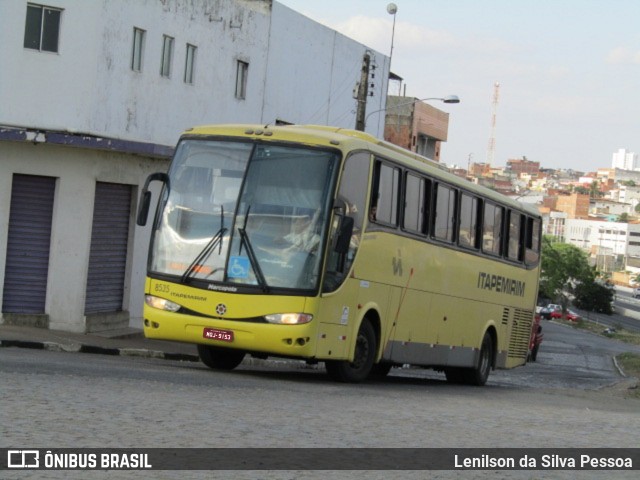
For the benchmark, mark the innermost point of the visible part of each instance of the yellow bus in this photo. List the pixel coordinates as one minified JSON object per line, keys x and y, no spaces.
{"x":329,"y":245}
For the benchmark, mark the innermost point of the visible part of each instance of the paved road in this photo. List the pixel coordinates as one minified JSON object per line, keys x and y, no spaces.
{"x":56,"y":399}
{"x":627,"y":312}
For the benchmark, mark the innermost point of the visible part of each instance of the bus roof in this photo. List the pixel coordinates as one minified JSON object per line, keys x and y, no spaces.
{"x":346,"y":140}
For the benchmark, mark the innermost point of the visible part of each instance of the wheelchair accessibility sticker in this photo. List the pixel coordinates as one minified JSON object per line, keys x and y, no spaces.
{"x":238,"y":267}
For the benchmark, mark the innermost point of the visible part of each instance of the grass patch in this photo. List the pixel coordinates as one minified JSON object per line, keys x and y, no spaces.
{"x":630,"y":364}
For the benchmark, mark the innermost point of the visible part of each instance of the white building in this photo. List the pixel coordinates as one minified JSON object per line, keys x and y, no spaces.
{"x":95,"y":94}
{"x":625,"y":160}
{"x":605,"y":206}
{"x":629,"y":194}
{"x":604,"y":238}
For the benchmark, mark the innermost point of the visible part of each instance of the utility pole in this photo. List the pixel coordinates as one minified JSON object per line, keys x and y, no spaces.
{"x":491,"y":150}
{"x":363,"y":93}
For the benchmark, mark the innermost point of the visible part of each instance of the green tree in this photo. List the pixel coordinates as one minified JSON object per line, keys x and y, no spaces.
{"x":623,"y":217}
{"x":564,"y":267}
{"x":594,"y":190}
{"x":595,"y":297}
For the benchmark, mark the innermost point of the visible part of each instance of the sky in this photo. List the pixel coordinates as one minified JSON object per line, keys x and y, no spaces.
{"x":569,"y":71}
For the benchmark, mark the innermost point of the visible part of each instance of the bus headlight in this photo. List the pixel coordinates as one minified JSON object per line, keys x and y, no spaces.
{"x":289,"y":318}
{"x":161,"y":303}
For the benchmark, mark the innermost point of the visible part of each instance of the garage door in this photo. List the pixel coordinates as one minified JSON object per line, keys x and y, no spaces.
{"x":29,"y":239}
{"x":109,"y":242}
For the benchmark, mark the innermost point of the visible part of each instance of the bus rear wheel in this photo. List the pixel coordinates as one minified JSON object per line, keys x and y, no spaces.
{"x":479,"y":374}
{"x":363,"y":358}
{"x":220,"y":358}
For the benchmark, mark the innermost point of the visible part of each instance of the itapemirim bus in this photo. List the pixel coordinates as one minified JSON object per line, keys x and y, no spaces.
{"x":326,"y":244}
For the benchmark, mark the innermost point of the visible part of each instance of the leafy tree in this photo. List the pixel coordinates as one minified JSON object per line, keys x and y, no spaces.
{"x":628,"y":183}
{"x":564,"y":267}
{"x":595,"y":297}
{"x":594,"y":190}
{"x":637,"y":208}
{"x":581,"y":190}
{"x":623,"y":217}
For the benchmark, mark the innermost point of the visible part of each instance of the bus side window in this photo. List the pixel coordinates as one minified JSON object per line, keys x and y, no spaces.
{"x":492,"y":229}
{"x":515,"y":242}
{"x":417,"y":190}
{"x":469,"y":215}
{"x":532,"y":252}
{"x":385,"y":195}
{"x":444,"y":212}
{"x":351,"y":199}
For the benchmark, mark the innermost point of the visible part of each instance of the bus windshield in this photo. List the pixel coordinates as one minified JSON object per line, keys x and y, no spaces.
{"x":238,"y":213}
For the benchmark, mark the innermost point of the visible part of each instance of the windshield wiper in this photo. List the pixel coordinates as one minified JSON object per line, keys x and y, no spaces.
{"x":216,"y":240}
{"x":244,"y":240}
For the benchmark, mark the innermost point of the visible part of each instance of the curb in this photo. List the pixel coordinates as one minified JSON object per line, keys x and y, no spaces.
{"x":145,"y":353}
{"x":85,"y":348}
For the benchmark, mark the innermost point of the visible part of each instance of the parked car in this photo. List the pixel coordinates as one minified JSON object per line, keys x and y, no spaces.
{"x":546,"y":312}
{"x":569,"y":315}
{"x":636,"y":292}
{"x":536,"y":339}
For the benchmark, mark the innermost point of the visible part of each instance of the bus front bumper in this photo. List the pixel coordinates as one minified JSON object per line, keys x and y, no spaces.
{"x":273,"y":339}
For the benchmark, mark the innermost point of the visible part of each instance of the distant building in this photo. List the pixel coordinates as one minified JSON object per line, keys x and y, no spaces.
{"x":523,"y":166}
{"x":575,"y":205}
{"x":604,"y":206}
{"x":609,"y":243}
{"x":415,"y":125}
{"x":478,"y":170}
{"x":625,"y":160}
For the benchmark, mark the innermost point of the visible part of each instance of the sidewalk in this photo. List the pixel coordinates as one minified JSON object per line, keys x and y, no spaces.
{"x":131,"y":344}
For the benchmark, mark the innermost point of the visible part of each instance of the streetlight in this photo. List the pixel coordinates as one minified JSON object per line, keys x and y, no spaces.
{"x":392,"y":9}
{"x":447,"y":99}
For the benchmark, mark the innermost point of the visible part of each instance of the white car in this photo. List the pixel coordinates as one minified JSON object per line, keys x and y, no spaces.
{"x":636,"y":292}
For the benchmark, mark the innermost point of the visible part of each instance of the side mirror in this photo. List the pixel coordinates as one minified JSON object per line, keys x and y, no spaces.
{"x":145,"y":198}
{"x":143,"y":208}
{"x":344,"y":237}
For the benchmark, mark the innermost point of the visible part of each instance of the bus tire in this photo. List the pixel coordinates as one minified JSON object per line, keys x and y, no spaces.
{"x":380,"y":370}
{"x":364,"y":355}
{"x":220,"y":358}
{"x":479,"y":374}
{"x":454,"y":375}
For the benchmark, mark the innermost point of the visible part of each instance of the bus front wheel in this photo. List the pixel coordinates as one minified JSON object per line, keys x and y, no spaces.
{"x":363,"y":358}
{"x":220,"y":358}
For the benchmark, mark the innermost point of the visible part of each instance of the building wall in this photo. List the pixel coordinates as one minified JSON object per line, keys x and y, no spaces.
{"x":418,"y":126}
{"x":610,"y":238}
{"x":624,"y":160}
{"x":575,"y":205}
{"x":116,"y":125}
{"x":97,"y":91}
{"x":76,"y":172}
{"x":313,"y":83}
{"x":520,"y":166}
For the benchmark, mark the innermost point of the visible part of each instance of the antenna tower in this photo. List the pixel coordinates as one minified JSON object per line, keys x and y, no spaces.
{"x":491,"y":150}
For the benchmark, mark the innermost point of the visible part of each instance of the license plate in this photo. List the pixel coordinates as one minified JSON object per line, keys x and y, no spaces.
{"x":215,"y":334}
